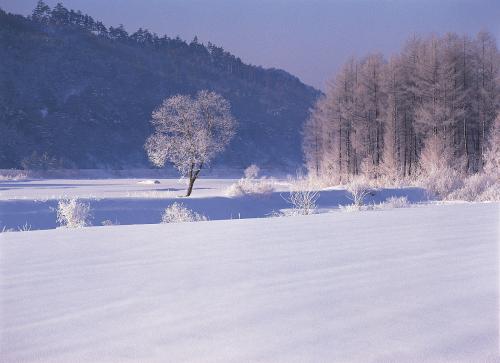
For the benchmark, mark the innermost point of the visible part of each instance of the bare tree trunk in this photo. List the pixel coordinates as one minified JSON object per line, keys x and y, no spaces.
{"x":466,"y":148}
{"x":193,"y":175}
{"x":190,"y":187}
{"x":340,"y":151}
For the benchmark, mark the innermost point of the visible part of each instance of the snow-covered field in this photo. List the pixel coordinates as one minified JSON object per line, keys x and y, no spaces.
{"x":127,"y":201}
{"x":414,"y":284}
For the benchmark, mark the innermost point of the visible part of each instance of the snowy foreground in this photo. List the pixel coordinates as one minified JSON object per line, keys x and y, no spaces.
{"x":415,"y":284}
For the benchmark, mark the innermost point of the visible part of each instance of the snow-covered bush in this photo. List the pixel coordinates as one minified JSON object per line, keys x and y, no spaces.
{"x":109,"y":222}
{"x":473,"y":186}
{"x":491,"y":194}
{"x":358,"y":189}
{"x":177,"y":212}
{"x":73,"y":213}
{"x":302,"y":197}
{"x":237,"y":189}
{"x":395,"y":202}
{"x":13,"y":175}
{"x":252,"y":172}
{"x":24,"y":228}
{"x":318,"y":182}
{"x":255,"y":187}
{"x":440,"y":183}
{"x":250,"y":185}
{"x":390,"y":203}
{"x":439,"y":171}
{"x":304,"y":201}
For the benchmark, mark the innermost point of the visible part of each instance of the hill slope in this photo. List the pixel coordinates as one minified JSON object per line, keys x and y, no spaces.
{"x":74,"y":93}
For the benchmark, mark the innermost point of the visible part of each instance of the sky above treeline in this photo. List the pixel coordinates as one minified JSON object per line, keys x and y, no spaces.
{"x":308,"y":38}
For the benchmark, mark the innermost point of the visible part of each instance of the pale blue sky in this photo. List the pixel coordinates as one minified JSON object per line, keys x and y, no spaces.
{"x":309,"y":38}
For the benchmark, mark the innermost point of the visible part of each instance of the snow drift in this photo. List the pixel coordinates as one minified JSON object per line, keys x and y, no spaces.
{"x":414,"y":284}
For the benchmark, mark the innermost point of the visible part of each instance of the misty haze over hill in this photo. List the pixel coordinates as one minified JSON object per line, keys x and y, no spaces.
{"x":75,"y":93}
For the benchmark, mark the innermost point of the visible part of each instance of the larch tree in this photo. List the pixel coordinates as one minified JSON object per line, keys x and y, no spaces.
{"x":189,"y":133}
{"x":382,"y":118}
{"x":492,"y":151}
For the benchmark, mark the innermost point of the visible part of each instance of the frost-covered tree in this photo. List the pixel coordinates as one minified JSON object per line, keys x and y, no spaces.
{"x":492,"y":153}
{"x":377,"y":117}
{"x":190,"y":132}
{"x":73,"y":213}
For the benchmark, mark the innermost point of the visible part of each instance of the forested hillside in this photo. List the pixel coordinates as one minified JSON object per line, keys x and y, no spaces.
{"x":74,"y":93}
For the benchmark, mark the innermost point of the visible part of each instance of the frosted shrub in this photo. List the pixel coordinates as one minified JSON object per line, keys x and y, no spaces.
{"x":72,"y":213}
{"x":303,"y":201}
{"x":252,"y":172}
{"x":13,"y":175}
{"x":302,"y":197}
{"x":109,"y":222}
{"x":320,"y":182}
{"x":359,"y":190}
{"x":177,"y":212}
{"x":491,"y":194}
{"x":236,"y":189}
{"x":352,"y":208}
{"x":250,"y":185}
{"x":395,"y":202}
{"x":440,"y":183}
{"x":438,"y":168}
{"x":24,"y":228}
{"x":390,"y":203}
{"x":474,"y":186}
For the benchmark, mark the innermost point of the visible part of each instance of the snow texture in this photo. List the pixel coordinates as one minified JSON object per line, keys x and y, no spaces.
{"x":403,"y":285}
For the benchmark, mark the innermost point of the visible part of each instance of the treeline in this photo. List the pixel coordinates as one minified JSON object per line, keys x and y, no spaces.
{"x":378,"y":114}
{"x":61,"y":16}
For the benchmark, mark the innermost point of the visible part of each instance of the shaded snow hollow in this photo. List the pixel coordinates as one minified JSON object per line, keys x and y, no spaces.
{"x":416,"y":284}
{"x":125,"y":201}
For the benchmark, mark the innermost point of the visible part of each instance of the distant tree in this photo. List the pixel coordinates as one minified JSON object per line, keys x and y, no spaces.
{"x":60,"y":15}
{"x":101,"y":29}
{"x":436,"y":155}
{"x":142,"y":36}
{"x":41,"y":12}
{"x":118,"y":33}
{"x":190,"y":132}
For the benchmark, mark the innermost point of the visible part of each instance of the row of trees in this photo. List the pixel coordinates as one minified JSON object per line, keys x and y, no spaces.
{"x":61,"y":16}
{"x":377,"y":114}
